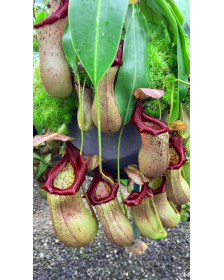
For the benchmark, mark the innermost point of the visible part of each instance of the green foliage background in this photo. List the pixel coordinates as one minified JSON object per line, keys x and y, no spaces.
{"x":50,"y":112}
{"x":162,"y":57}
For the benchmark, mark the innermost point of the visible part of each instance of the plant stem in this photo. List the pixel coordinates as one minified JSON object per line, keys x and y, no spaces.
{"x":99,"y":134}
{"x":181,"y":117}
{"x":90,"y":206}
{"x":82,"y":113}
{"x":118,"y":168}
{"x":171,"y":101}
{"x":173,"y":206}
{"x":45,"y":4}
{"x":157,"y":215}
{"x":136,"y":189}
{"x":159,"y":109}
{"x":118,"y":159}
{"x":80,"y":106}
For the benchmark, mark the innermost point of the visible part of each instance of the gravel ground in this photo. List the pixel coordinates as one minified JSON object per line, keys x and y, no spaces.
{"x":163,"y":259}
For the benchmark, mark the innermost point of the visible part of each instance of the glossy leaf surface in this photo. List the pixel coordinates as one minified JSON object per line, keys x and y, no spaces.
{"x":96,"y":30}
{"x":42,"y":168}
{"x":68,"y":48}
{"x":40,"y":16}
{"x":163,"y":9}
{"x":149,"y":13}
{"x":135,"y":70}
{"x":176,"y":11}
{"x":184,"y":7}
{"x":37,"y":157}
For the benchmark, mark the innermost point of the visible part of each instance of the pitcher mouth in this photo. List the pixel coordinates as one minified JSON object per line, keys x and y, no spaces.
{"x":59,"y":13}
{"x":135,"y":198}
{"x":139,"y":120}
{"x":72,"y":155}
{"x":176,"y":142}
{"x":161,"y":189}
{"x":91,"y":193}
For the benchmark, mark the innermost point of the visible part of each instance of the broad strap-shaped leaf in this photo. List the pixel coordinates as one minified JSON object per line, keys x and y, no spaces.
{"x":163,"y":9}
{"x":182,"y":75}
{"x":69,"y":49}
{"x":42,"y":168}
{"x":145,"y":27}
{"x":35,"y":156}
{"x":144,"y":93}
{"x":38,"y":139}
{"x":176,"y":11}
{"x":95,"y":30}
{"x":184,"y":7}
{"x":135,"y":70}
{"x":149,"y":13}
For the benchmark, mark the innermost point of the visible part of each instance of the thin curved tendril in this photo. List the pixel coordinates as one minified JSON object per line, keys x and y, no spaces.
{"x":181,"y":117}
{"x":118,"y":168}
{"x":90,"y":206}
{"x":80,"y":105}
{"x":171,"y":101}
{"x":82,"y":115}
{"x":99,"y":134}
{"x":157,"y":215}
{"x":159,"y":109}
{"x":44,"y":5}
{"x":173,"y":206}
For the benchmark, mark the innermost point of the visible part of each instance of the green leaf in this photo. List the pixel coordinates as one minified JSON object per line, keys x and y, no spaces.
{"x":186,"y":57}
{"x":47,"y":158}
{"x":69,"y":49}
{"x":95,"y":30}
{"x":42,"y":168}
{"x":149,"y":13}
{"x":37,"y":157}
{"x":125,"y":182}
{"x":176,"y":11}
{"x":184,"y":7}
{"x":35,"y":46}
{"x":40,"y":16}
{"x":163,"y":9}
{"x":135,"y":70}
{"x":145,"y":27}
{"x":182,"y":75}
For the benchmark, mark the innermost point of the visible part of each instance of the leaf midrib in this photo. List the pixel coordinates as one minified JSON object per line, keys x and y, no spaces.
{"x":96,"y":40}
{"x":133,"y":18}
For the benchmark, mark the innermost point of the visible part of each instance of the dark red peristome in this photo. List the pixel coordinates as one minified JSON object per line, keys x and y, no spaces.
{"x":60,"y":13}
{"x":139,"y":117}
{"x":176,"y":142}
{"x":91,"y":193}
{"x":79,"y":165}
{"x":161,"y":189}
{"x":135,"y":198}
{"x":118,"y":58}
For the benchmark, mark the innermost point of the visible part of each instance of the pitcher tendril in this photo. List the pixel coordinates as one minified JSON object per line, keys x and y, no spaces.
{"x":171,"y":102}
{"x":99,"y":135}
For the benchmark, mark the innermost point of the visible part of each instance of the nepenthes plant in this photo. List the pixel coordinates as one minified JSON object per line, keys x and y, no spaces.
{"x":109,"y":42}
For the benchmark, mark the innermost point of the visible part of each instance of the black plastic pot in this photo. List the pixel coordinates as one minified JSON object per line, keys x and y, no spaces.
{"x":130,"y":144}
